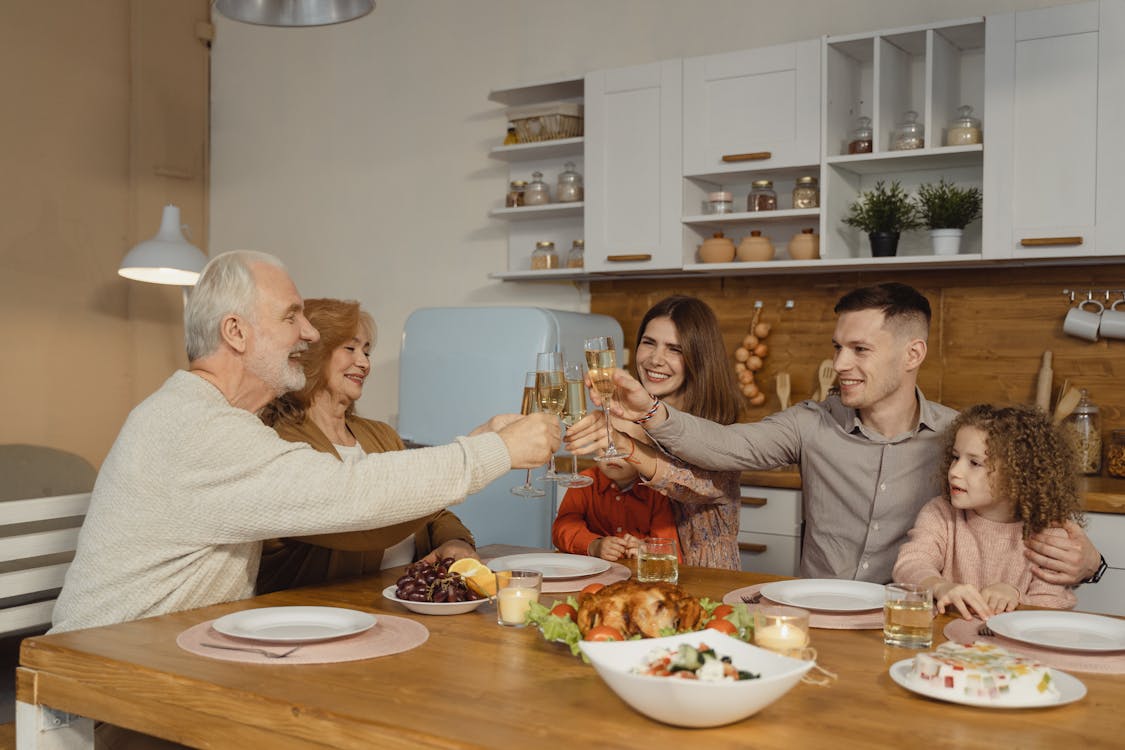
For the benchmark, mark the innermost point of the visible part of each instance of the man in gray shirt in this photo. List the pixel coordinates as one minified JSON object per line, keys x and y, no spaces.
{"x":869,"y":455}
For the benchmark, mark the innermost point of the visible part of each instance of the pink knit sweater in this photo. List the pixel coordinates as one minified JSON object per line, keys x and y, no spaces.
{"x":961,"y":546}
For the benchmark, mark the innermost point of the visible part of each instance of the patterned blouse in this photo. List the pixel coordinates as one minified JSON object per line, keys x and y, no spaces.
{"x":706,"y":506}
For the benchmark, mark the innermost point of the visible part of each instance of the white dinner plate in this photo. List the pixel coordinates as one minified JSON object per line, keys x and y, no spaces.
{"x":1071,"y":689}
{"x":1067,"y":631}
{"x":826,"y":594}
{"x":294,"y":624}
{"x":432,"y":608}
{"x":553,"y":565}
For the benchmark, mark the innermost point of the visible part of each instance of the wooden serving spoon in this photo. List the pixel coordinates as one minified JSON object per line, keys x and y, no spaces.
{"x":1066,"y":404}
{"x":782,"y":383}
{"x":826,"y":374}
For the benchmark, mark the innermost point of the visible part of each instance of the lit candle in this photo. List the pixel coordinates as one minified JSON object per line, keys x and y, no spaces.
{"x":514,"y":602}
{"x":781,"y":636}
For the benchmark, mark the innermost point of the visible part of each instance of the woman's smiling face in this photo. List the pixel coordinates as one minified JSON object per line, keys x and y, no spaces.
{"x":660,"y":360}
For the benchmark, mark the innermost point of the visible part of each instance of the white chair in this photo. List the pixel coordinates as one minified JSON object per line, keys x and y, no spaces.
{"x":38,"y":537}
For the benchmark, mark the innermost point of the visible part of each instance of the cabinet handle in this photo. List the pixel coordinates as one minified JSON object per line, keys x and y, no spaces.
{"x":756,"y":156}
{"x":1049,"y":241}
{"x":754,"y":549}
{"x":757,"y":502}
{"x":628,"y":258}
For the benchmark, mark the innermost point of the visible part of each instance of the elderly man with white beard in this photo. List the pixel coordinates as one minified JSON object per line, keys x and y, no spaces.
{"x":195,"y":481}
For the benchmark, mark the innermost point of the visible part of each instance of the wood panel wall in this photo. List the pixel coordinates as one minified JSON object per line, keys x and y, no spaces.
{"x":990,"y":329}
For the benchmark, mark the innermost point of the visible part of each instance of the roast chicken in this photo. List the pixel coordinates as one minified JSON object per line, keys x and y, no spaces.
{"x":637,"y":608}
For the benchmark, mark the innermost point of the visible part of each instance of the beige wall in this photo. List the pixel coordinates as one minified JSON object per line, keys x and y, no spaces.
{"x":358,"y":153}
{"x":97,"y":98}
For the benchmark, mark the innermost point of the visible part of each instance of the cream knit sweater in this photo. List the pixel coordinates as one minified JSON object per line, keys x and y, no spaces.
{"x":193,"y":485}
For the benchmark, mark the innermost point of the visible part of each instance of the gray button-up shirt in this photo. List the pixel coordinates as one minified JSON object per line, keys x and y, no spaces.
{"x":860,"y":491}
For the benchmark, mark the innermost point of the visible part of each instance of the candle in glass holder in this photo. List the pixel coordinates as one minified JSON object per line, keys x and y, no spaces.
{"x":781,"y":629}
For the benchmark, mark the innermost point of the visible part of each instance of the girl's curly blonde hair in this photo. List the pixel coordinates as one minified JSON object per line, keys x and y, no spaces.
{"x":1030,"y":461}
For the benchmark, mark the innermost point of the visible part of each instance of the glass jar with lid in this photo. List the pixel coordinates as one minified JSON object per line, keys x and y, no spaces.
{"x":762,"y":197}
{"x":576,"y":257}
{"x":569,"y":189}
{"x":1085,"y":422}
{"x":964,"y":130}
{"x":862,"y":138}
{"x":909,"y":134}
{"x":544,"y":256}
{"x":515,"y":193}
{"x":1115,"y":454}
{"x":536,"y":193}
{"x":719,"y":202}
{"x":806,"y":193}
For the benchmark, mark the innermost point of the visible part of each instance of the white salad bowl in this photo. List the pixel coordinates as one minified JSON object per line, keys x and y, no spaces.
{"x":433,"y":608}
{"x":694,"y":703}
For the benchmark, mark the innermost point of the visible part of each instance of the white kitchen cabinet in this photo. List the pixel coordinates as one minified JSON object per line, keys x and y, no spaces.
{"x":633,"y":141}
{"x":1055,"y":176}
{"x":561,"y":223}
{"x":755,"y":109}
{"x":1107,"y":596}
{"x":769,"y":530}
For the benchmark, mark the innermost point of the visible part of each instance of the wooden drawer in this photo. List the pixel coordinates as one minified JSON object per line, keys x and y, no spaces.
{"x":777,"y":554}
{"x":770,"y":510}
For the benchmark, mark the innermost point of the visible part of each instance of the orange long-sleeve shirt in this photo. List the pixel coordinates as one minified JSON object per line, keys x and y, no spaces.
{"x":601,"y":509}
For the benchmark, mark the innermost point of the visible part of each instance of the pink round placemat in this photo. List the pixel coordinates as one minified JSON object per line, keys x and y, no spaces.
{"x":965,"y":631}
{"x":826,"y":620}
{"x":616,"y":572}
{"x":390,"y":635}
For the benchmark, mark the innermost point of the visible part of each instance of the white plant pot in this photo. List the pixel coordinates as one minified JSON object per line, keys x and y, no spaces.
{"x":946,"y":241}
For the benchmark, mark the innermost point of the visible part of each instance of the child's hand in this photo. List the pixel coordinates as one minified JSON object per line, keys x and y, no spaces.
{"x":1001,"y":597}
{"x":608,"y":548}
{"x":632,"y":544}
{"x":965,"y":597}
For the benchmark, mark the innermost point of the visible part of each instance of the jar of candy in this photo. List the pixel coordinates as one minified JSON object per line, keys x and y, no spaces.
{"x":909,"y":134}
{"x":536,"y":193}
{"x":762,"y":197}
{"x":544,"y":256}
{"x":515,"y":193}
{"x":576,"y":258}
{"x":964,"y":130}
{"x":719,"y":202}
{"x":569,"y":189}
{"x":807,"y":193}
{"x":862,"y":138}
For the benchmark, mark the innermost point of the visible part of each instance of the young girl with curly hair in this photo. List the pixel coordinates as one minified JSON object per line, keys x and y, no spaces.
{"x":1010,"y":473}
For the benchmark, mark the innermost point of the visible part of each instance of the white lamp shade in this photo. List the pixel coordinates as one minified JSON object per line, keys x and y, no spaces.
{"x":168,"y":258}
{"x":294,"y":12}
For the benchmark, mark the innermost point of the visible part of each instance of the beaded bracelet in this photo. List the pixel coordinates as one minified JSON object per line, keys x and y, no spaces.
{"x":650,"y":413}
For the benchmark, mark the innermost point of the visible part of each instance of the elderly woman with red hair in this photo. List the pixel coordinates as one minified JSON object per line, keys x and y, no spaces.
{"x":322,"y":414}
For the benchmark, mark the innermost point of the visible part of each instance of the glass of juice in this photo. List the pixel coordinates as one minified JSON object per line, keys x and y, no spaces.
{"x":656,"y":560}
{"x":908,"y":615}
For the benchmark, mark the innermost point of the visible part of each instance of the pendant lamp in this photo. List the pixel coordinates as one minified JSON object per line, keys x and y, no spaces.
{"x":168,"y":258}
{"x":294,"y":12}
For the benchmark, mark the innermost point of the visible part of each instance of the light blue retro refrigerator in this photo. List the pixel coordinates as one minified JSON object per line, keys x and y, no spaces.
{"x":461,"y":365}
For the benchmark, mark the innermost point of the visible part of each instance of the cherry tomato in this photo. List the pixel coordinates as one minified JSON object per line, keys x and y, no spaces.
{"x":593,"y":588}
{"x":603,"y":633}
{"x":723,"y":626}
{"x":565,"y":610}
{"x":722,"y":611}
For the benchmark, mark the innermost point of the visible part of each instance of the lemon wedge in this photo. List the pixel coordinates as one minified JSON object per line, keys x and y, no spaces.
{"x":476,"y":574}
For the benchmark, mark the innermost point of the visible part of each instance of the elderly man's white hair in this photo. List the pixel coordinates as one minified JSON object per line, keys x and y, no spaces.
{"x":225,"y":286}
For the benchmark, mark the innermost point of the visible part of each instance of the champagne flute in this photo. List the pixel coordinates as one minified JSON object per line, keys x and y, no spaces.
{"x":550,"y":393}
{"x":574,"y":410}
{"x":528,"y":406}
{"x":602,"y":361}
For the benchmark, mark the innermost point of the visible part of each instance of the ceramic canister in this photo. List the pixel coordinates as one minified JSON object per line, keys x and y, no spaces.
{"x":755,"y":247}
{"x":804,"y":246}
{"x":716,"y":249}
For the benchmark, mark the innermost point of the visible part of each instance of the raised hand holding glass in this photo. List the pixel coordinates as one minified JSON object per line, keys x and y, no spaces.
{"x":601,"y":359}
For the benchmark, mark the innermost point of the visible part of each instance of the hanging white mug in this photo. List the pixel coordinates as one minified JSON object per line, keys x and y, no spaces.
{"x":1113,"y":321}
{"x":1084,"y":323}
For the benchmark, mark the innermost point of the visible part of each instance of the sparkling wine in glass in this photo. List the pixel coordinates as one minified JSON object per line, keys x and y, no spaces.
{"x":550,"y":394}
{"x":528,"y":405}
{"x":601,"y":359}
{"x":574,"y":410}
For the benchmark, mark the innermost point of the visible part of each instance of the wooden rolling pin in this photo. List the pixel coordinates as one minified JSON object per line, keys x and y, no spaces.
{"x":1043,"y":387}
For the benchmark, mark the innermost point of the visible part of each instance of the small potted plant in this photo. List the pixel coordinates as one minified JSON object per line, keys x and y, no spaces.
{"x":946,"y":210}
{"x":884,"y":214}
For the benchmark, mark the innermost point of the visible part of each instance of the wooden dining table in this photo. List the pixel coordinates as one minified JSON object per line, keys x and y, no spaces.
{"x":475,"y":684}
